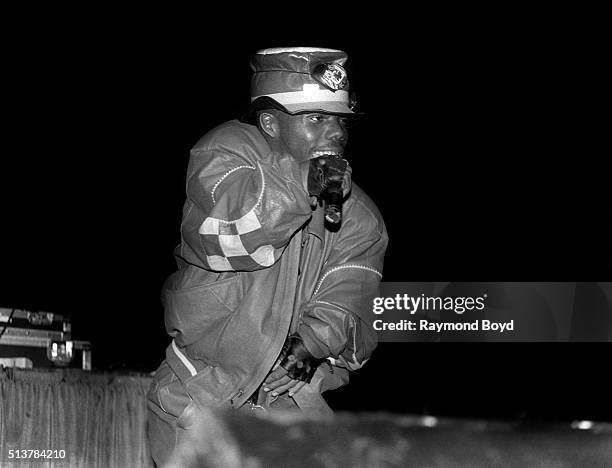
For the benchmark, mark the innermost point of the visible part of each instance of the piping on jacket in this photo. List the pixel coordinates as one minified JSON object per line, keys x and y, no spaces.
{"x":342,"y":267}
{"x":212,"y":192}
{"x":261,"y":193}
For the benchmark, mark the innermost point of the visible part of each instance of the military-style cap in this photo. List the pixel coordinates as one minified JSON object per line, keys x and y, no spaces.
{"x":301,"y":79}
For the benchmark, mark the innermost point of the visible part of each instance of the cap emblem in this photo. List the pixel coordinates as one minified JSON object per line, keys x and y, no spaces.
{"x":330,"y":75}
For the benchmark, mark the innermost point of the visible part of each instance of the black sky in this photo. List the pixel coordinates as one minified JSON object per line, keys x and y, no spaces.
{"x":481,"y":153}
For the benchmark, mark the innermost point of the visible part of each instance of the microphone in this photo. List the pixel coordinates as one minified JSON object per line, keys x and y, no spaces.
{"x":332,"y":197}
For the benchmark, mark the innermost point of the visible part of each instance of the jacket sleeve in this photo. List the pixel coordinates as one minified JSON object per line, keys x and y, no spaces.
{"x":241,"y":210}
{"x":337,"y":322}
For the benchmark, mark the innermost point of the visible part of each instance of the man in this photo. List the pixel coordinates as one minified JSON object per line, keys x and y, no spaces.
{"x":268,"y":308}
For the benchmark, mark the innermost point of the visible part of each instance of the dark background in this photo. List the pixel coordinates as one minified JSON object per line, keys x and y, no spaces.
{"x":480,"y":147}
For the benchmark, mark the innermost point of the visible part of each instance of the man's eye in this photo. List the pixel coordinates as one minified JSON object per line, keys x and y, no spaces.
{"x":316,"y":118}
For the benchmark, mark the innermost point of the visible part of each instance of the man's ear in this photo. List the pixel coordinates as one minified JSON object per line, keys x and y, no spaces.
{"x":268,"y":122}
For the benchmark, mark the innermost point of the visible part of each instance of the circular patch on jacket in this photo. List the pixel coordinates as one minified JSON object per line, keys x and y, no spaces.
{"x":330,"y":75}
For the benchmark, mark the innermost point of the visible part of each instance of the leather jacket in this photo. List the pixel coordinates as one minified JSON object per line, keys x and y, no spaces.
{"x":256,"y":263}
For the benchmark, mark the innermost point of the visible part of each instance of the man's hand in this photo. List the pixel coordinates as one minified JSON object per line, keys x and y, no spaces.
{"x":279,"y":382}
{"x":319,"y":172}
{"x":335,"y":173}
{"x":294,"y":368}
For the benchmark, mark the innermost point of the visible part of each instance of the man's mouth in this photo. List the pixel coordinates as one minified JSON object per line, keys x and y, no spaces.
{"x":329,"y":153}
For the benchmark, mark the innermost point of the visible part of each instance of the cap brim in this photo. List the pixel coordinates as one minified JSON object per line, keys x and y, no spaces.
{"x":323,"y":107}
{"x":328,"y":107}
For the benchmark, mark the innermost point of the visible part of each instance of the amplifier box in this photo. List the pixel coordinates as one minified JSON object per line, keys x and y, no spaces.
{"x":42,"y":337}
{"x":35,"y":320}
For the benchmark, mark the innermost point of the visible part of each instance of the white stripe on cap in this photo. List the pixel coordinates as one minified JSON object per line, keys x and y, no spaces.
{"x":301,"y":50}
{"x":302,"y":97}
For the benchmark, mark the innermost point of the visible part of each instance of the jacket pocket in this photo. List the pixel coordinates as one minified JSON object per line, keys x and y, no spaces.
{"x":199,"y":303}
{"x":167,"y":392}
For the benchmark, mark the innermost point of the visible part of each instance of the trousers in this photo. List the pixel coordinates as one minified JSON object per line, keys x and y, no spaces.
{"x":172,"y":413}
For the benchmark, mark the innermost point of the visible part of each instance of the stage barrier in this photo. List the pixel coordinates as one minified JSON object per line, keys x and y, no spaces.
{"x":72,"y":418}
{"x":99,"y":420}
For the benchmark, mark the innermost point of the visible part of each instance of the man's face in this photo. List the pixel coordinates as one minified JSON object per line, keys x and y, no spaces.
{"x":308,"y":136}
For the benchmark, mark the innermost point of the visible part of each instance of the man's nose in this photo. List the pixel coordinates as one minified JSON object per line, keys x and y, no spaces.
{"x":336,"y":130}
